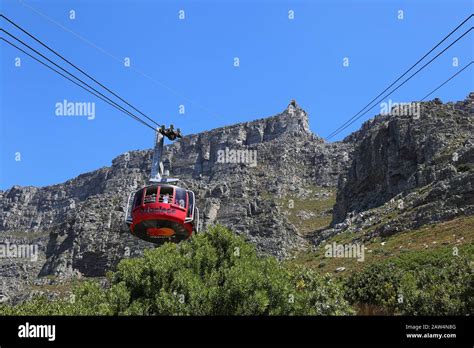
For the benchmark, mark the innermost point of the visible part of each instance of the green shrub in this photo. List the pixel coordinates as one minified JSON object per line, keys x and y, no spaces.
{"x":39,"y":305}
{"x":421,"y":283}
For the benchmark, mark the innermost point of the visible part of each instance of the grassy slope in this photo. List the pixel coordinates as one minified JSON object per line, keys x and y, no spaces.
{"x":318,"y":209}
{"x":442,"y":238}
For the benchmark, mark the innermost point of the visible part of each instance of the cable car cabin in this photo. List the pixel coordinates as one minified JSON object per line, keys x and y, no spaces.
{"x":161,"y":213}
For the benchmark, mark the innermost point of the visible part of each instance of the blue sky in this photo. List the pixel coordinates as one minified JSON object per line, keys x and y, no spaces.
{"x":190,"y":62}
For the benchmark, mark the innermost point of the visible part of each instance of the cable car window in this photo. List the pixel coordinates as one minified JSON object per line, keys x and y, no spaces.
{"x":166,"y":194}
{"x":150,"y":194}
{"x":138,"y":198}
{"x":191,"y":203}
{"x":180,"y":197}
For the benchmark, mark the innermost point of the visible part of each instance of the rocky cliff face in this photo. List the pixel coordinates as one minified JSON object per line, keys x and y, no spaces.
{"x":248,"y":177}
{"x":397,"y":155}
{"x":407,"y":171}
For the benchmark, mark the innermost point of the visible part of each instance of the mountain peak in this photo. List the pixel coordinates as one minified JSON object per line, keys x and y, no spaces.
{"x":291,"y":121}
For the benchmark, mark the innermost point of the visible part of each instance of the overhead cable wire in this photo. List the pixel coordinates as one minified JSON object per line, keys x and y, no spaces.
{"x":404,"y":74}
{"x":445,"y":82}
{"x":113,"y":104}
{"x":77,"y":68}
{"x":347,"y":124}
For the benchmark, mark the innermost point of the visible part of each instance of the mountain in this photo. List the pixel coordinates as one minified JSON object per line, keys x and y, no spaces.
{"x":271,"y":180}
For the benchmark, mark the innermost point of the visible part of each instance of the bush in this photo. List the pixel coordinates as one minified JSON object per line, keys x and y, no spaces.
{"x":215,"y":273}
{"x":423,"y":283}
{"x":37,"y":306}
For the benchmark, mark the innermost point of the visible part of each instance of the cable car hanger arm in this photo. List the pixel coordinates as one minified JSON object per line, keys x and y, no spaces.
{"x":157,"y":169}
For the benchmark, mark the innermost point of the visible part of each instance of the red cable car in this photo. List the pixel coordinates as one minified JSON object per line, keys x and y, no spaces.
{"x":162,"y":212}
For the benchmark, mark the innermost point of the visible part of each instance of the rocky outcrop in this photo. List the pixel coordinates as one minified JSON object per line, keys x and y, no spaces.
{"x":398,"y":154}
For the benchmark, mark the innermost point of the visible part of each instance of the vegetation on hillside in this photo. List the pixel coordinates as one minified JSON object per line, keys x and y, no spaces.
{"x":427,"y":271}
{"x":215,"y":273}
{"x":218,"y":273}
{"x":312,"y":213}
{"x":441,"y":237}
{"x":429,"y":282}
